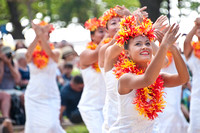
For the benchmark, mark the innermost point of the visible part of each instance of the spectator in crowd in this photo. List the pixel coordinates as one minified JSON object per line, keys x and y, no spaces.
{"x":70,"y":96}
{"x":68,"y":53}
{"x":22,"y":67}
{"x":19,"y":45}
{"x":9,"y":74}
{"x":67,"y":70}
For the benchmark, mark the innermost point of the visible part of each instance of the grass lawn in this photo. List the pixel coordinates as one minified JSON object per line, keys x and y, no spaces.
{"x":77,"y":129}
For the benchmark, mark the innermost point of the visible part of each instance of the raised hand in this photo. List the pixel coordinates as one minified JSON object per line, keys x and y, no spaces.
{"x":122,"y":10}
{"x":37,"y":29}
{"x":171,"y":36}
{"x":159,"y":35}
{"x":159,"y":24}
{"x":141,"y":12}
{"x":197,"y":22}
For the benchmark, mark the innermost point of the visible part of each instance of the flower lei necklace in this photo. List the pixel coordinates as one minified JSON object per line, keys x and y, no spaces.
{"x":149,"y":100}
{"x":40,"y":58}
{"x":169,"y":56}
{"x":107,"y":40}
{"x":91,"y":45}
{"x":196,"y":47}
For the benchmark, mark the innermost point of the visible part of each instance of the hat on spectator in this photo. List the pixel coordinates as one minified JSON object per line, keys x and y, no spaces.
{"x":67,"y":50}
{"x":6,"y":50}
{"x":20,"y":53}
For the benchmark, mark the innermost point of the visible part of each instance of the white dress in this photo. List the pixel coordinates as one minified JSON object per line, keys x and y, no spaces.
{"x":172,"y":119}
{"x":129,"y":120}
{"x":111,"y":103}
{"x":42,"y":100}
{"x":194,"y":64}
{"x":92,"y":100}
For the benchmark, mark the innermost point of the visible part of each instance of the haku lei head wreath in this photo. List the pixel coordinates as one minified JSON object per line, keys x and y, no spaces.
{"x":130,"y":29}
{"x":92,"y":24}
{"x":109,"y":15}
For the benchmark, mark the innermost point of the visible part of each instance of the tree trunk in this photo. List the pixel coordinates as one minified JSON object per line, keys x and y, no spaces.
{"x":17,"y":32}
{"x":153,"y":7}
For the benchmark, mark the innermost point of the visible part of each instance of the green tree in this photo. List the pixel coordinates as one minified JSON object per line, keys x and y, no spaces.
{"x":126,"y":3}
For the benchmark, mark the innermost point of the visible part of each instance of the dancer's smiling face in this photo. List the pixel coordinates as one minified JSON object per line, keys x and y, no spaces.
{"x":139,"y":49}
{"x":98,"y":35}
{"x":113,"y":26}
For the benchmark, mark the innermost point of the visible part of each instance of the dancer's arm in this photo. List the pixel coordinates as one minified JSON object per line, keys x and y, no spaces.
{"x":45,"y":44}
{"x":31,"y":49}
{"x":176,"y":79}
{"x":132,"y":81}
{"x":88,"y":57}
{"x":187,"y":44}
{"x":102,"y":51}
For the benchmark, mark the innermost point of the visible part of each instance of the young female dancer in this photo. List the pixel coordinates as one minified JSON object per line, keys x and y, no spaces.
{"x":93,"y":96}
{"x":134,"y":73}
{"x":111,"y":103}
{"x":191,"y":51}
{"x":42,"y":97}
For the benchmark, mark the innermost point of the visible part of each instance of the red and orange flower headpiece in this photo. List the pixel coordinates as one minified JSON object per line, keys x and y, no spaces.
{"x":92,"y":24}
{"x":130,"y":29}
{"x":108,"y":15}
{"x":43,"y":23}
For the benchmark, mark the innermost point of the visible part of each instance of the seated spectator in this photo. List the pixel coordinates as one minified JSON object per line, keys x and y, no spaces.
{"x":9,"y":78}
{"x":70,"y":96}
{"x":22,"y":67}
{"x":19,"y":45}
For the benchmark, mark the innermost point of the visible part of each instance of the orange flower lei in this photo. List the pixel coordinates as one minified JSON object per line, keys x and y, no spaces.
{"x":40,"y":58}
{"x":107,"y":40}
{"x":92,"y":24}
{"x":91,"y":45}
{"x":169,"y":56}
{"x":196,"y":47}
{"x":108,"y":15}
{"x":149,"y":100}
{"x":129,"y":29}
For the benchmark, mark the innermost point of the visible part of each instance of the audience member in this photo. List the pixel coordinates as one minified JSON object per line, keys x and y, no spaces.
{"x":19,"y":45}
{"x":70,"y":96}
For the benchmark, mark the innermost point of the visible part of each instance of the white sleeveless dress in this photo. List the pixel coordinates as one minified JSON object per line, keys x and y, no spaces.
{"x":129,"y":120}
{"x":111,"y":103}
{"x":92,"y":100}
{"x":42,"y":100}
{"x":194,"y":64}
{"x":172,"y":119}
